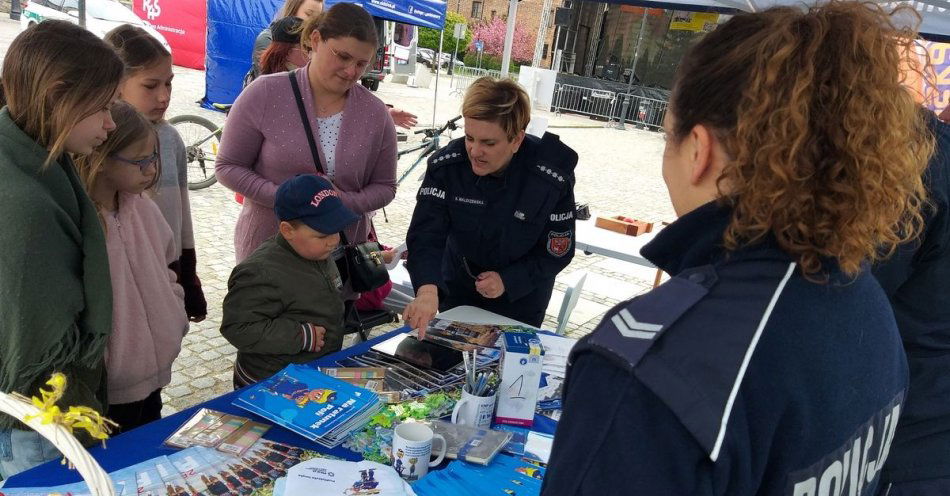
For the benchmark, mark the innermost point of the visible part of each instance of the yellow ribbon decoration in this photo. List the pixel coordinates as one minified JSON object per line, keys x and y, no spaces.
{"x":76,"y":417}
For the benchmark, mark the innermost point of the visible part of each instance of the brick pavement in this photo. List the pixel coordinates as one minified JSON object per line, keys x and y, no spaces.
{"x":618,"y":173}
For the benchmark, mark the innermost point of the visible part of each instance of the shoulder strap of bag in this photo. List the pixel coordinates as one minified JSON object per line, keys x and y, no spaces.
{"x":306,"y":122}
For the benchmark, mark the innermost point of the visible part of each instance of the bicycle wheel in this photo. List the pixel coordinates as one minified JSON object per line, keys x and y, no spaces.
{"x":202,"y":139}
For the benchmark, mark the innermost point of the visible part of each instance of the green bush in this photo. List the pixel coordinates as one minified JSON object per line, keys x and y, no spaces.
{"x":488,"y":62}
{"x":429,"y":38}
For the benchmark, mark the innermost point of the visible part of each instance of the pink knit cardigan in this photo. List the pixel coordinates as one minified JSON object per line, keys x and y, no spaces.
{"x":264,"y":144}
{"x":148,"y":309}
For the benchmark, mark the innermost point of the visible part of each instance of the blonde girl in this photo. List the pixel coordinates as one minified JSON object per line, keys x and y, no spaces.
{"x":59,"y":82}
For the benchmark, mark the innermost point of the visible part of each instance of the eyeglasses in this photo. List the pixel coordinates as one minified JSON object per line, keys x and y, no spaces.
{"x":468,"y":270}
{"x":348,"y":60}
{"x":143,"y":164}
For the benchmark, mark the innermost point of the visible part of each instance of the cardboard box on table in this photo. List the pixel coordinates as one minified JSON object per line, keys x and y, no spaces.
{"x":520,"y":371}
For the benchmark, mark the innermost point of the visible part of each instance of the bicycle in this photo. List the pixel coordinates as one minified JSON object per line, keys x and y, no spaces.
{"x":430,"y":143}
{"x":202,"y":139}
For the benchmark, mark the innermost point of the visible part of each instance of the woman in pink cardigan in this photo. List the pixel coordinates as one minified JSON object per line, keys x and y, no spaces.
{"x":264,"y":143}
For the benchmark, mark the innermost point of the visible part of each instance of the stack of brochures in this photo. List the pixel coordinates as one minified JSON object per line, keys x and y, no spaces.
{"x":194,"y":471}
{"x":313,"y":404}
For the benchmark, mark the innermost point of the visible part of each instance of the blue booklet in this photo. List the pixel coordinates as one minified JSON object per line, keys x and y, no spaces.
{"x":311,"y":403}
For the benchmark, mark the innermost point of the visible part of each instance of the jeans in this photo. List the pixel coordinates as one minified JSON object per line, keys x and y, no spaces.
{"x":21,"y":450}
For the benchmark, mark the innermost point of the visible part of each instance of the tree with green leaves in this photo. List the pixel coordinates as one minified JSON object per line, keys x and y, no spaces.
{"x":429,"y":38}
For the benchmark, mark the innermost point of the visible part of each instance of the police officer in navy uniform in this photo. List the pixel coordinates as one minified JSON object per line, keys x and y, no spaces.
{"x":917,"y":282}
{"x":494,"y":219}
{"x":770,"y":363}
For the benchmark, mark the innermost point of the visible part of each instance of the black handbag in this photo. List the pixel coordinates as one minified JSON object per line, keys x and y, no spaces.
{"x":362,"y":264}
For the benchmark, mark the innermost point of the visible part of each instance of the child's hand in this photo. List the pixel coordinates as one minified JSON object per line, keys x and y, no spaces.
{"x":313,"y":337}
{"x":388,"y":256}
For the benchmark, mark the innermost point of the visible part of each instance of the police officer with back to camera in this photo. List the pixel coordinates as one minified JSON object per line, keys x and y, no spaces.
{"x":494,"y":219}
{"x":770,"y":363}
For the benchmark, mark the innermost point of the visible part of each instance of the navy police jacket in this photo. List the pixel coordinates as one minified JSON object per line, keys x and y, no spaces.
{"x":917,"y":281}
{"x":519,"y":223}
{"x":738,"y":376}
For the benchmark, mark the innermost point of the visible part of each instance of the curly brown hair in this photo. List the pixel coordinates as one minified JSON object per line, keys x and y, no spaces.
{"x":826,"y":149}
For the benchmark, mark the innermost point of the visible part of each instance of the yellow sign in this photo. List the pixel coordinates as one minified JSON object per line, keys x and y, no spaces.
{"x":694,"y":21}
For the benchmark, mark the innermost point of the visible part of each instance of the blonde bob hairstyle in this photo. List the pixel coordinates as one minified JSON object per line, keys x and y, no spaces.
{"x":826,"y":148}
{"x":56,"y":74}
{"x":130,"y":128}
{"x":501,"y":101}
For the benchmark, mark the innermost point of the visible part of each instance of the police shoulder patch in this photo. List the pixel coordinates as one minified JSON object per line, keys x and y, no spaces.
{"x":559,"y":243}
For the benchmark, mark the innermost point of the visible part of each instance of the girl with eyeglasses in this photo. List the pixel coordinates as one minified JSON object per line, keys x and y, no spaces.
{"x":354,"y":140}
{"x":149,"y":320}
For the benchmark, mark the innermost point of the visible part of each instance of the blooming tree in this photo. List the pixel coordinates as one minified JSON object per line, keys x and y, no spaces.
{"x":492,"y":34}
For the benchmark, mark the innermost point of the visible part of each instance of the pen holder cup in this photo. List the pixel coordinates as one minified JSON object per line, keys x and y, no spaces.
{"x":474,"y":411}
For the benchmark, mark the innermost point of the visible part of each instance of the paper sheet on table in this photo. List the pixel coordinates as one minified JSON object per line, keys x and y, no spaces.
{"x":556,"y":351}
{"x":398,"y":256}
{"x":558,"y":346}
{"x":538,"y":446}
{"x":323,"y":476}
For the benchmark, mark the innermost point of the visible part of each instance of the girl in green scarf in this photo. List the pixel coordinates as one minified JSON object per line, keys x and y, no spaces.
{"x":59,"y":82}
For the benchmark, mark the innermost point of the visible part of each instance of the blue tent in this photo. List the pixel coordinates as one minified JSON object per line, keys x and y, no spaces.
{"x":424,"y":13}
{"x":233,"y":25}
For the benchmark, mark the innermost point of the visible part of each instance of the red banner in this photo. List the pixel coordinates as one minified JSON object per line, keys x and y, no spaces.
{"x":184,"y":23}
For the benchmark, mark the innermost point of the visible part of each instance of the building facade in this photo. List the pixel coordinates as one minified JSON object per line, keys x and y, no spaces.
{"x":613,"y":42}
{"x":531,"y":14}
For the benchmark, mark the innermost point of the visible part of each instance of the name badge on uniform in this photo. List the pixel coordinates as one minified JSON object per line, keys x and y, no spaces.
{"x":519,"y":215}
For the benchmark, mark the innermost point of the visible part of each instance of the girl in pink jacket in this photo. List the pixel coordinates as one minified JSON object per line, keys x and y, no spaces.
{"x":148,"y":320}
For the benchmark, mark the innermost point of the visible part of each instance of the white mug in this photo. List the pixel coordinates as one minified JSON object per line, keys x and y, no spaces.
{"x":474,"y":411}
{"x":412,"y":450}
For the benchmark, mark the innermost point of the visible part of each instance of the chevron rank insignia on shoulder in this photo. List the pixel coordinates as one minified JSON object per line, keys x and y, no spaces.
{"x":630,"y":329}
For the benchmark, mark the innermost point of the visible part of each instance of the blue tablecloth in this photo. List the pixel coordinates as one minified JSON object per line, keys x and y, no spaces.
{"x":145,"y":442}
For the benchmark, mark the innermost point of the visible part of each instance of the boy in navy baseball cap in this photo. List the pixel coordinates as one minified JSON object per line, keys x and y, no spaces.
{"x":284,"y":304}
{"x":310,"y":201}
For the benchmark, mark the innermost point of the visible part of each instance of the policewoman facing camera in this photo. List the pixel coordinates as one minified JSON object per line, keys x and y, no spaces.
{"x":494,"y":218}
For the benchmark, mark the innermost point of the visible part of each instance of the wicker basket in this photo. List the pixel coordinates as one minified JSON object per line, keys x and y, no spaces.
{"x":99,"y":482}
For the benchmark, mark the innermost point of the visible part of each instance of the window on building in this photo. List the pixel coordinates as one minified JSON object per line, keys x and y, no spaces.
{"x":551,"y":19}
{"x":493,"y":14}
{"x":476,"y":10}
{"x":544,"y":54}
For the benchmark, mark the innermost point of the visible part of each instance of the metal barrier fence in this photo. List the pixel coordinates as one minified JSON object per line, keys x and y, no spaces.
{"x":609,"y":105}
{"x":587,"y":101}
{"x":463,"y":77}
{"x":643,"y":111}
